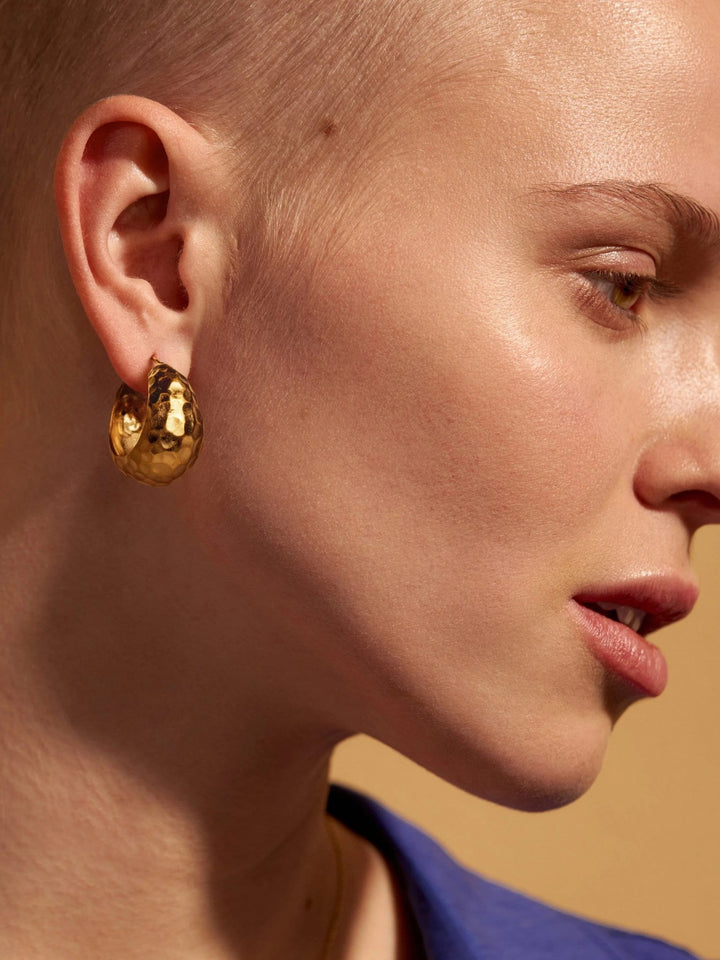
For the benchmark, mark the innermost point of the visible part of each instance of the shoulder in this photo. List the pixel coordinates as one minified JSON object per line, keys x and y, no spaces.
{"x":463,"y":916}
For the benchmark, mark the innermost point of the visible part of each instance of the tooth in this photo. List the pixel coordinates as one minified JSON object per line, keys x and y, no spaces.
{"x":628,"y":615}
{"x":610,"y":608}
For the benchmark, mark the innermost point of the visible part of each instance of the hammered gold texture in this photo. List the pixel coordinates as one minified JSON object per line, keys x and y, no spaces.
{"x":155,"y":441}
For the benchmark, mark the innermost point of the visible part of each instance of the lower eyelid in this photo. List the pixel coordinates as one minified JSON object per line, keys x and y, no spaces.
{"x":602,"y":310}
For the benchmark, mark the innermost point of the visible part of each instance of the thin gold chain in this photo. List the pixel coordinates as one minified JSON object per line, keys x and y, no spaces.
{"x":334,"y":924}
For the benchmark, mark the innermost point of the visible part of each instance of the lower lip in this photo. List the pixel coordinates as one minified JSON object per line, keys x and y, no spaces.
{"x":622,"y":651}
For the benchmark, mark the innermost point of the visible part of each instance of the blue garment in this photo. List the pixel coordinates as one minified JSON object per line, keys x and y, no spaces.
{"x":461,"y":916}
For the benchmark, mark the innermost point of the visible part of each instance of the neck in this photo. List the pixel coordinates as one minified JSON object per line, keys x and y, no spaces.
{"x":101,"y":865}
{"x":140,"y":815}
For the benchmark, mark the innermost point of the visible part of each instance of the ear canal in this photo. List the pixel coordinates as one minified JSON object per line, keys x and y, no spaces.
{"x":149,"y":252}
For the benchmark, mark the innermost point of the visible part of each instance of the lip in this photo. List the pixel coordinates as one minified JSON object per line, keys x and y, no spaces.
{"x":621,"y":650}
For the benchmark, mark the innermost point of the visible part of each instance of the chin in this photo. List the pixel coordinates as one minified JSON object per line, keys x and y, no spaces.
{"x":537,"y":789}
{"x":549,"y":793}
{"x":543,"y":773}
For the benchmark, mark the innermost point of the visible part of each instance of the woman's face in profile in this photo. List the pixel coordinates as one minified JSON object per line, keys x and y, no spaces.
{"x":498,"y":399}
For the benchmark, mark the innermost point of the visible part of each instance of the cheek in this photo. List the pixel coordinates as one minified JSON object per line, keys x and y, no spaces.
{"x":459,"y":418}
{"x":409,"y":416}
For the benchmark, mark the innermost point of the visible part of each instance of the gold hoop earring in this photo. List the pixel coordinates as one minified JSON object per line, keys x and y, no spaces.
{"x":156,"y":440}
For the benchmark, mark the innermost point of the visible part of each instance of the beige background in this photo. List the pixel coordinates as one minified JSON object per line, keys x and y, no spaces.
{"x":642,"y":849}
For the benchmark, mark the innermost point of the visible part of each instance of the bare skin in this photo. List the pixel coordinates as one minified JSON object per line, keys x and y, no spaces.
{"x":364,"y":544}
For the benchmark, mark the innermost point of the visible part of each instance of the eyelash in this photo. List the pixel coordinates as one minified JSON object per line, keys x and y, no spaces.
{"x":634,"y":285}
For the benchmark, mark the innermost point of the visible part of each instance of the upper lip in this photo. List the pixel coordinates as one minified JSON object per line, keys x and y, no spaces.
{"x":664,"y":598}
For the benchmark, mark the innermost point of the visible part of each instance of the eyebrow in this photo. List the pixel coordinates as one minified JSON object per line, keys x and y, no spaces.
{"x":690,"y":221}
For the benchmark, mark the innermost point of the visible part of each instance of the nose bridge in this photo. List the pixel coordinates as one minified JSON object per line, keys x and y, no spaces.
{"x":690,"y":395}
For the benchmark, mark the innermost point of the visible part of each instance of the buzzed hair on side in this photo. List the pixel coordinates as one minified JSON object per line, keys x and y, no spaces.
{"x":279,"y":79}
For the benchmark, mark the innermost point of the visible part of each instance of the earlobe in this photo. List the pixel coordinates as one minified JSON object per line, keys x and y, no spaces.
{"x":125,"y":184}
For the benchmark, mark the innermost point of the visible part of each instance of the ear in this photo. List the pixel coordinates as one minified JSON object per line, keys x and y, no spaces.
{"x":137,"y":208}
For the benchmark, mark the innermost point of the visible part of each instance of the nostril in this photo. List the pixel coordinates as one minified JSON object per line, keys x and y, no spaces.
{"x":698,"y":507}
{"x":698,"y":498}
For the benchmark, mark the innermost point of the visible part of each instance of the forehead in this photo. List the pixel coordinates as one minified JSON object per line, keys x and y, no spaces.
{"x":571,"y":91}
{"x":618,"y":36}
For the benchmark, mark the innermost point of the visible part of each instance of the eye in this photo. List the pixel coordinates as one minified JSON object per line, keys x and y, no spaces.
{"x":623,"y":290}
{"x":624,"y":301}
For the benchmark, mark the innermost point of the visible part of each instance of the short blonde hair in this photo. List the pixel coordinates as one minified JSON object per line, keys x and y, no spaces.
{"x":277,"y":78}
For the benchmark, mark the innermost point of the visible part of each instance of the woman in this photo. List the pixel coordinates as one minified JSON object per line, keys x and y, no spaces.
{"x":448,"y":307}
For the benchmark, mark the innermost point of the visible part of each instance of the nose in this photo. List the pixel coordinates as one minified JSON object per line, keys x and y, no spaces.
{"x":680,"y":471}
